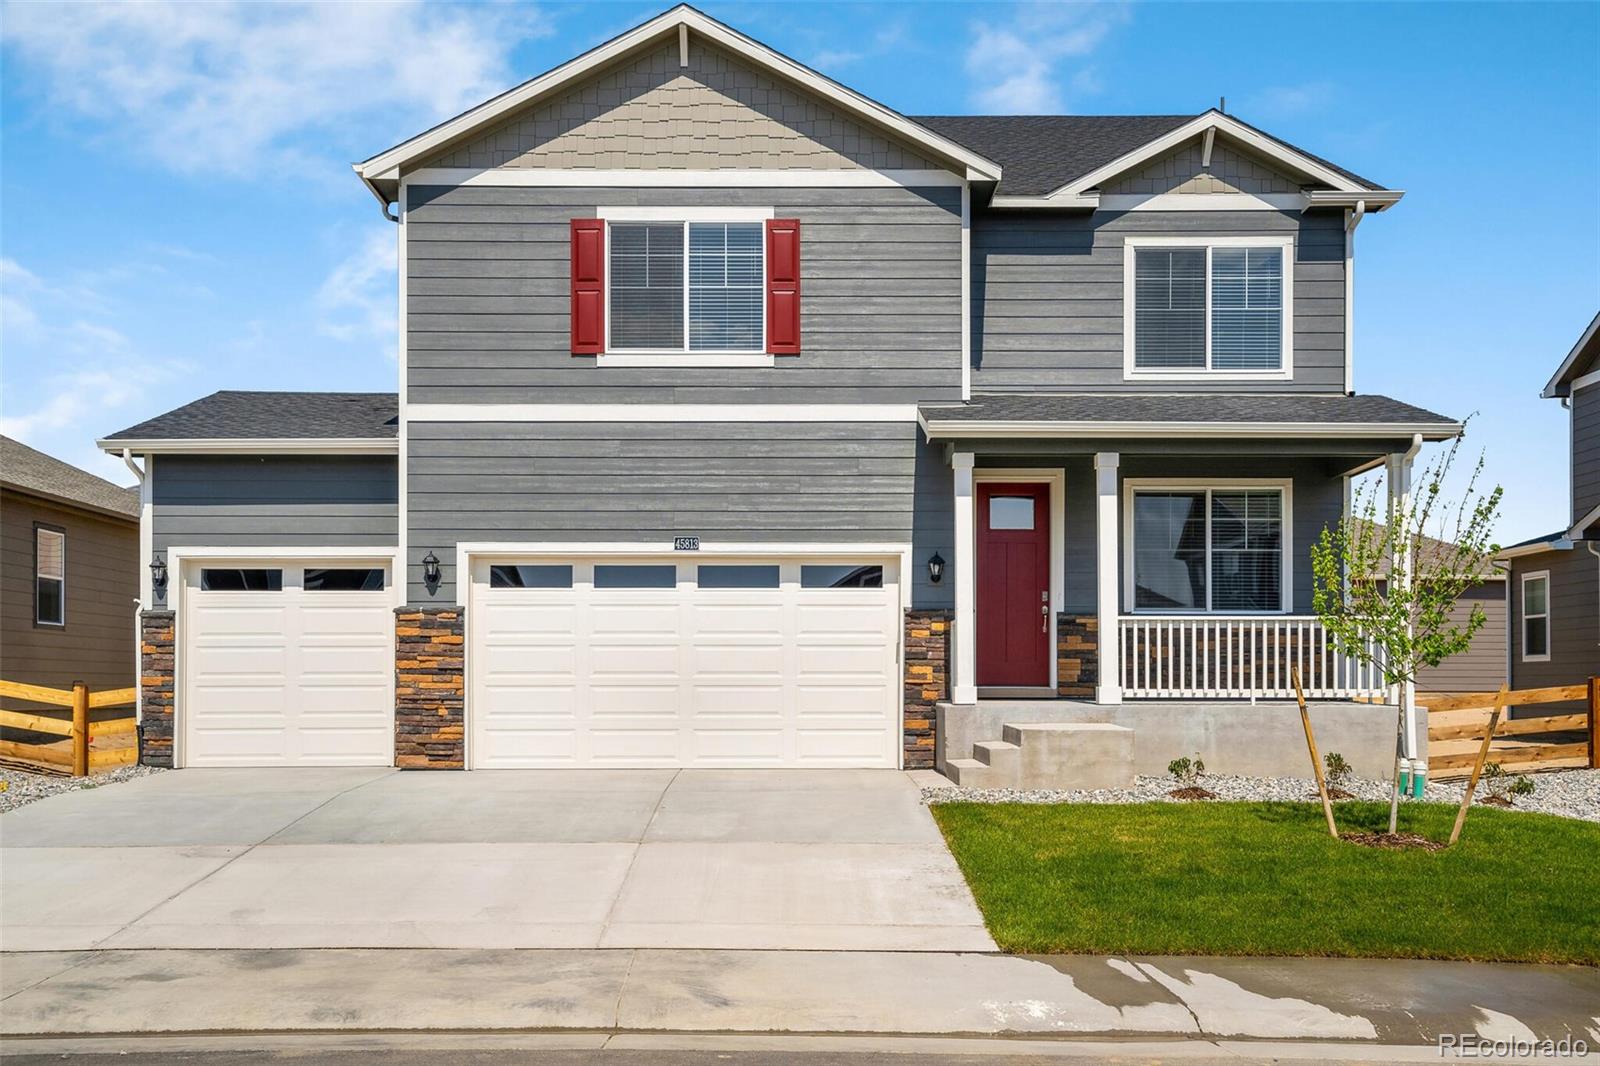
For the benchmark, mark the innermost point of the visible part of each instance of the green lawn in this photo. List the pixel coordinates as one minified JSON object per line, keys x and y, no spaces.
{"x":1266,"y":879}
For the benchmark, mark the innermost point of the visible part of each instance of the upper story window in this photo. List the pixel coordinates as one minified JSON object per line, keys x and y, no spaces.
{"x":49,"y":576}
{"x":685,"y":286}
{"x":1198,"y":307}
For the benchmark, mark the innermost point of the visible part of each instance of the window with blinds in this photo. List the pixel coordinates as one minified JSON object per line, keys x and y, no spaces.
{"x":1208,"y":550}
{"x":49,"y":577}
{"x":687,"y":286}
{"x":1208,"y":307}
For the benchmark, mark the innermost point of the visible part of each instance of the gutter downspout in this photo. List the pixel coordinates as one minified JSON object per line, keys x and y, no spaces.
{"x":1408,"y":691}
{"x":1352,"y":220}
{"x":138,"y":603}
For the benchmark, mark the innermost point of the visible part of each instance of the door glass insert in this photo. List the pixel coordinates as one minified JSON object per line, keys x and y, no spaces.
{"x":234,"y":579}
{"x":843,"y":576}
{"x":738,"y":576}
{"x":530,"y":577}
{"x":1011,"y":512}
{"x":648,"y":576}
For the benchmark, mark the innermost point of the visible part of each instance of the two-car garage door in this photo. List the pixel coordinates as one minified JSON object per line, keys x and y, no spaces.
{"x":667,"y":662}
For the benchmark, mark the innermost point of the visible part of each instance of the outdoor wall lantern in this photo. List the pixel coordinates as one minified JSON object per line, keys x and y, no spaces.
{"x":158,"y":574}
{"x":936,"y":568}
{"x":430,"y":569}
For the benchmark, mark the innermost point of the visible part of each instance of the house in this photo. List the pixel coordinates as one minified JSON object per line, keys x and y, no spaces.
{"x":1555,"y":579}
{"x":743,"y":421}
{"x":69,"y":545}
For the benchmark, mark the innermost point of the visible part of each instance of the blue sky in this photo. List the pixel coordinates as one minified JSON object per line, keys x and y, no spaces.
{"x":179,"y":216}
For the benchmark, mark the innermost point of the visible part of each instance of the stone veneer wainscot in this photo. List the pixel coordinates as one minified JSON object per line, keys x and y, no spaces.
{"x":927,"y":681}
{"x":1077,"y":656}
{"x":430,"y":688}
{"x":157,"y":634}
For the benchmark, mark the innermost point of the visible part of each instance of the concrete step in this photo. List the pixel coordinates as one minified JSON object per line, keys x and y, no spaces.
{"x":970,"y":773}
{"x":1072,"y":754}
{"x":1000,"y":754}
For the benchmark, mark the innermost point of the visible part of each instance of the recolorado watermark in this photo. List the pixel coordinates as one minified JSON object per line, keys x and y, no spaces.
{"x":1473,"y":1046}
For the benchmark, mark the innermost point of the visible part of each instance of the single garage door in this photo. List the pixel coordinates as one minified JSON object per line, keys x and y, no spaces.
{"x":288,"y":664}
{"x":733,"y":662}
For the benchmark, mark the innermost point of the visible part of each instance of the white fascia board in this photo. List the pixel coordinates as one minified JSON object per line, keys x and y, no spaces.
{"x":1576,"y":532}
{"x":256,"y":446}
{"x":1375,"y":199}
{"x":1216,"y":120}
{"x":1550,"y":392}
{"x":1211,"y":201}
{"x":1088,"y":201}
{"x":1559,"y":544}
{"x":660,"y":27}
{"x":508,"y":177}
{"x":660,"y":412}
{"x":952,"y":429}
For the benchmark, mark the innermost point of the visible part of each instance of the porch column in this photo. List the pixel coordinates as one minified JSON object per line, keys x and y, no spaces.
{"x":1398,"y":472}
{"x":1108,"y":688}
{"x":964,"y":680}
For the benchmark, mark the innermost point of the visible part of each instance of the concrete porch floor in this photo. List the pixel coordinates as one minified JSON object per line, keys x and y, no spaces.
{"x":369,"y":858}
{"x":1261,"y":739}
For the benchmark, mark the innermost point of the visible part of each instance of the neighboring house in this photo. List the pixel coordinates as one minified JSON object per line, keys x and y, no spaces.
{"x":1482,"y":667}
{"x":744,"y":421}
{"x":1555,"y":579}
{"x":69,"y":574}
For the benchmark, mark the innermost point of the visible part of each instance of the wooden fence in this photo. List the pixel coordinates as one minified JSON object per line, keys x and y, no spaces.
{"x":72,"y":755}
{"x":1456,"y":724}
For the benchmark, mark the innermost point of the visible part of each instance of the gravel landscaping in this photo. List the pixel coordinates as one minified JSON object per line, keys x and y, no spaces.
{"x":21,"y":787}
{"x":1569,"y":793}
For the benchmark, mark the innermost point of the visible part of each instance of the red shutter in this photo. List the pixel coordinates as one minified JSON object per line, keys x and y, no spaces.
{"x":783,"y":286}
{"x":588,"y":286}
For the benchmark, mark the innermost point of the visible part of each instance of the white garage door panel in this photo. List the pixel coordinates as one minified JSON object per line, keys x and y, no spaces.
{"x":288,"y":678}
{"x":684,"y":676}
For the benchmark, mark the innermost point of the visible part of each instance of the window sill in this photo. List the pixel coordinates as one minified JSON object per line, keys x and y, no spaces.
{"x":1207,"y":375}
{"x":685,"y":359}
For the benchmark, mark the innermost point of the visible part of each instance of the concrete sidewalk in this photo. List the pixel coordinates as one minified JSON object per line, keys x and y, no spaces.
{"x":693,"y":991}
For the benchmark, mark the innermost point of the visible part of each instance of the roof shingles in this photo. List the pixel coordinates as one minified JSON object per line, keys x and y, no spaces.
{"x":1178,"y":407}
{"x":237,"y":415}
{"x":28,"y":470}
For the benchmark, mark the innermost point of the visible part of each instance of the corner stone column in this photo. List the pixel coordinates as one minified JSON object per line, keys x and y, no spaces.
{"x":927,"y":682}
{"x":1077,"y":655}
{"x":157,"y":638}
{"x":430,"y":688}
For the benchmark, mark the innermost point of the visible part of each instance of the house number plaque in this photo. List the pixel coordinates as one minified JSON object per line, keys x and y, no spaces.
{"x":685,"y":544}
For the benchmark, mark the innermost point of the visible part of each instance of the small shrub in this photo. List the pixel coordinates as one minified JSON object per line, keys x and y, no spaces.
{"x":1337,"y":771}
{"x":1501,"y":785}
{"x":1187,"y":771}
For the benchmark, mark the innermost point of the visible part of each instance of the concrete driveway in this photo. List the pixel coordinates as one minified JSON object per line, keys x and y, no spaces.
{"x":825,"y":859}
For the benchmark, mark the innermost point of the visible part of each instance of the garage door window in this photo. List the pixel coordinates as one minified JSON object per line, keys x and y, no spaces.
{"x":238,"y":580}
{"x":362,"y":579}
{"x":738,"y":577}
{"x":841,"y":577}
{"x":530,"y":577}
{"x":636,"y":577}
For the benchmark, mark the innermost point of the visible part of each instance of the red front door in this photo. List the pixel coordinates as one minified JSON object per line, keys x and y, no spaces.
{"x":1013,"y":585}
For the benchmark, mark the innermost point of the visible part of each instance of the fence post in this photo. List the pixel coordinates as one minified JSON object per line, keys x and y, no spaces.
{"x":80,"y":729}
{"x":1594,"y":723}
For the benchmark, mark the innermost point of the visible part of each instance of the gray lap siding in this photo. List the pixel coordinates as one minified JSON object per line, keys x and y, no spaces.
{"x":1048,"y":297}
{"x":1574,"y":618}
{"x":1585,"y":450}
{"x":488,"y":301}
{"x":274,"y":501}
{"x":532,"y":483}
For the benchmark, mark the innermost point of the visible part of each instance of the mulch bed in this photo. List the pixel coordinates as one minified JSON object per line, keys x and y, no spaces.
{"x":1339,"y":794}
{"x":1192,"y":792}
{"x":1394,"y":841}
{"x":1495,"y":801}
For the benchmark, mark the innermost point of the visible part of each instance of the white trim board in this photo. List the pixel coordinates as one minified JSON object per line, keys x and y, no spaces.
{"x":1551,"y":389}
{"x":1284,"y":371}
{"x":954,"y":429}
{"x":1056,"y":481}
{"x":1132,"y":486}
{"x":660,"y":412}
{"x":386,"y":165}
{"x":256,"y":445}
{"x":732,"y":178}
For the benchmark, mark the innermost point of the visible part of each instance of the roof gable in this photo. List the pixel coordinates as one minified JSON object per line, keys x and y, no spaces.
{"x":661,"y":109}
{"x":381,"y":172}
{"x":1186,"y":171}
{"x":1583,"y":359}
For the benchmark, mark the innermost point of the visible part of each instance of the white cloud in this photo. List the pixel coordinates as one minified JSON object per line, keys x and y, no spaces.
{"x":357,"y":299}
{"x":1287,"y":101}
{"x":1015,"y":66}
{"x":94,"y":374}
{"x":233,"y":86}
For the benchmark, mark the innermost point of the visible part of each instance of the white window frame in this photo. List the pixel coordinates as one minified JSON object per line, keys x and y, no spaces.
{"x":682,"y":357}
{"x":1130,"y":372}
{"x":54,"y":532}
{"x":1131,"y":487}
{"x":1522,"y":615}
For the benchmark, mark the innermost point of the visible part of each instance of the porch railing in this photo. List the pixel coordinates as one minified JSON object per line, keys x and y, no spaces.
{"x":1237,"y":656}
